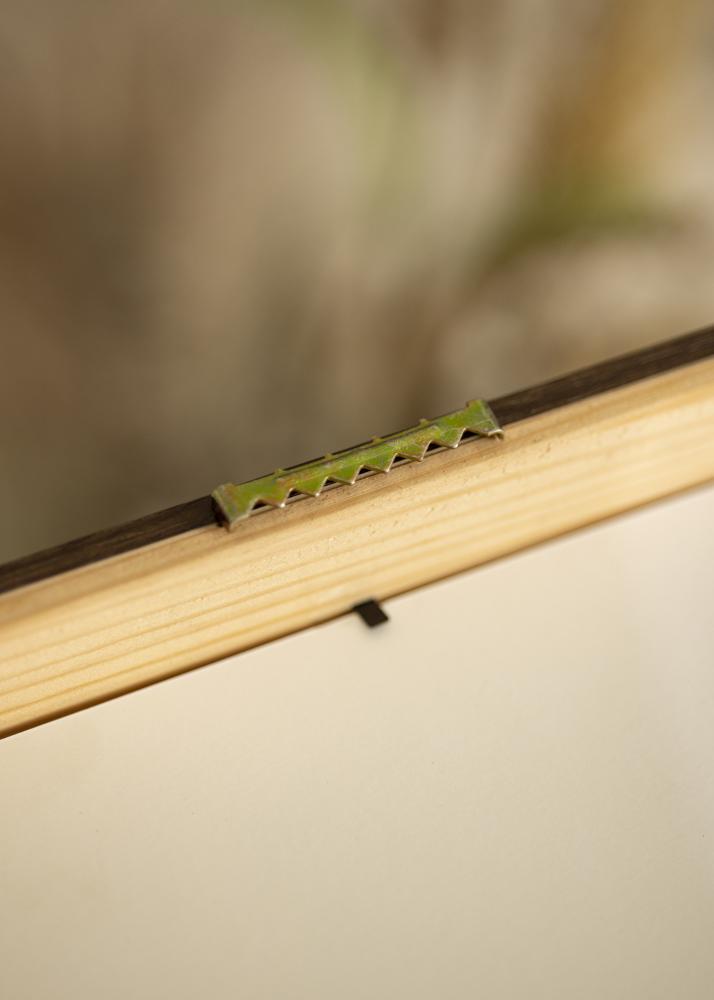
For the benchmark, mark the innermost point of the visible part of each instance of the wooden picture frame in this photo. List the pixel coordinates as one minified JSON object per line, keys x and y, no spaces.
{"x":129,"y":606}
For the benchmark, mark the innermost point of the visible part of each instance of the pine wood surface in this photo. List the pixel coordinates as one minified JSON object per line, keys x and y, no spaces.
{"x":570,"y":388}
{"x":108,"y":627}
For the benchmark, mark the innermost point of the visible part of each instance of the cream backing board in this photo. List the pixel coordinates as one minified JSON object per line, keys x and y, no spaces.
{"x":506,"y":791}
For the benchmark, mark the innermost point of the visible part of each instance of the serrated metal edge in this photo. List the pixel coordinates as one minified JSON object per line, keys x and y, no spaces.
{"x":234,"y":503}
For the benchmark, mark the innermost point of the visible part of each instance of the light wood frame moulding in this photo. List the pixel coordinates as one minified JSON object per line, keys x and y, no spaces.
{"x":130,"y":606}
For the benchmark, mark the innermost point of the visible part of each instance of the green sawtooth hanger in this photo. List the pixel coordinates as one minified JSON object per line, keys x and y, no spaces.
{"x":234,"y":503}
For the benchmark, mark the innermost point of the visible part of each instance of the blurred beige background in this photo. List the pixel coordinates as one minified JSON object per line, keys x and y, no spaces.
{"x":234,"y":235}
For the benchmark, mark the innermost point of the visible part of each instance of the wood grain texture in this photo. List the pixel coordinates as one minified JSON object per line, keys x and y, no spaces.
{"x":610,"y":374}
{"x":109,"y":627}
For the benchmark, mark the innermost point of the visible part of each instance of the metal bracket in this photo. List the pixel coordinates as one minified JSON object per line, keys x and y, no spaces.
{"x":235,"y":503}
